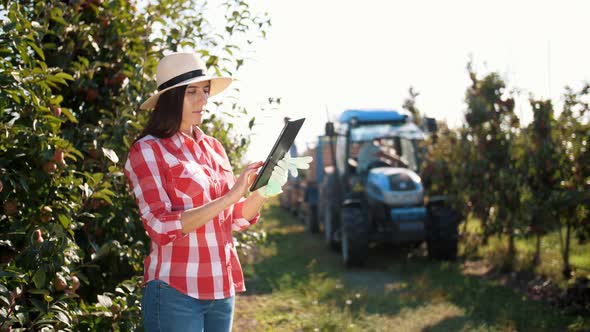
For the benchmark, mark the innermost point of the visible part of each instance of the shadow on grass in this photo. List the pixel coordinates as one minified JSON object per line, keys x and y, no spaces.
{"x":394,"y":281}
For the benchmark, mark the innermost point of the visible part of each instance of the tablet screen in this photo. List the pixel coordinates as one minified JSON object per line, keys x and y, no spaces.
{"x":282,"y":146}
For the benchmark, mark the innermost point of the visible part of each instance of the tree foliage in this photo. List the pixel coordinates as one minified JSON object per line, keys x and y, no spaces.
{"x":518,"y":181}
{"x":72,"y":76}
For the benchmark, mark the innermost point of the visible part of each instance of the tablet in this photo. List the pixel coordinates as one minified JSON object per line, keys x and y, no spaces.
{"x":282,"y":146}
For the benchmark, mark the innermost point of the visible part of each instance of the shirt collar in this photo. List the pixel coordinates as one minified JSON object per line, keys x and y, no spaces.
{"x":182,"y":138}
{"x":179,"y":139}
{"x":198,"y":134}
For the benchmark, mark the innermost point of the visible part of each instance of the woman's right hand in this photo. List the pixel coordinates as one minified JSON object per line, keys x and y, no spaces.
{"x":245,"y":180}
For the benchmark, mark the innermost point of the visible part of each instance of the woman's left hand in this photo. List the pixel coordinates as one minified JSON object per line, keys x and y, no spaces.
{"x":245,"y":180}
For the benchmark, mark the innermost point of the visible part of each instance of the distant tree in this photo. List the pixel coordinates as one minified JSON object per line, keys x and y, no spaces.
{"x":541,"y":170}
{"x":410,"y":106}
{"x":493,"y":129}
{"x":572,"y":199}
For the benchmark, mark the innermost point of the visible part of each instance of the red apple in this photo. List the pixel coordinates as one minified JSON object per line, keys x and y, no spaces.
{"x":93,"y":153}
{"x":57,"y":111}
{"x":49,"y":167}
{"x":45,"y":218}
{"x":38,"y":236}
{"x":115,"y":308}
{"x":104,"y":22}
{"x":60,"y":283}
{"x":119,"y":78}
{"x":11,"y":207}
{"x":59,"y":156}
{"x":46,"y":214}
{"x":75,"y":283}
{"x":91,"y":94}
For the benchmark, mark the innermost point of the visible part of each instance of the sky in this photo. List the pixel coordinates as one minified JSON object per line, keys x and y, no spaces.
{"x":324,"y":56}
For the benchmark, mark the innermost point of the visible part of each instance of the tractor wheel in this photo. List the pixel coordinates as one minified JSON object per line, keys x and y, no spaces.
{"x":311,"y":219}
{"x":329,"y":228}
{"x":442,"y":233}
{"x":355,"y":237}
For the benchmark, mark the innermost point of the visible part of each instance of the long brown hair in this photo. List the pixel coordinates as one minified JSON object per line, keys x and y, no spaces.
{"x":166,"y":118}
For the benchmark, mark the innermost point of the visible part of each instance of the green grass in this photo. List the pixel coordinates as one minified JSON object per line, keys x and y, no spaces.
{"x":551,"y":261}
{"x":296,"y":284}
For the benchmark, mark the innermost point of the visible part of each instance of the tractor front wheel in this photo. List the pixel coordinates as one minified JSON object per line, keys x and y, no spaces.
{"x":442,"y":232}
{"x":355,"y":237}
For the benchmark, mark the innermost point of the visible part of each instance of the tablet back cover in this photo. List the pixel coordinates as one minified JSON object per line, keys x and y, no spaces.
{"x":282,"y":146}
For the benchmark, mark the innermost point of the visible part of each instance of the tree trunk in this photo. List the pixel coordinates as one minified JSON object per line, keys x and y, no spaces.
{"x":537,"y":259}
{"x":511,"y":245}
{"x":567,"y":270}
{"x":484,"y":229}
{"x":464,"y":233}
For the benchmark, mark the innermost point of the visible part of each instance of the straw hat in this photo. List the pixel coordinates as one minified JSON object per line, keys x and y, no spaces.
{"x":180,"y":69}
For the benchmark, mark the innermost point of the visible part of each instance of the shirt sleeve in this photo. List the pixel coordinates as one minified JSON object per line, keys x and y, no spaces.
{"x":144,"y":169}
{"x":239,"y":223}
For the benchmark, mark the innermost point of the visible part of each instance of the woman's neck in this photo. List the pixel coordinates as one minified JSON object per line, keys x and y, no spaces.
{"x":191,"y":131}
{"x":188,"y":130}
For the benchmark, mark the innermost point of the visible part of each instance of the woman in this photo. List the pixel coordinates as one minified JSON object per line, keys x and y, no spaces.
{"x":189,"y":202}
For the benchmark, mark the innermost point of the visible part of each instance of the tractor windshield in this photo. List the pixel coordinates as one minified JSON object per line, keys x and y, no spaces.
{"x":368,"y":132}
{"x":404,"y":138}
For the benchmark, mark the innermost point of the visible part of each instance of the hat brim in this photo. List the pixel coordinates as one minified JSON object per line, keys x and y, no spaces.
{"x":218,"y":84}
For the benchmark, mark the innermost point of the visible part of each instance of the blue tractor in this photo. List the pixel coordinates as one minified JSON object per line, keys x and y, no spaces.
{"x":361,"y":197}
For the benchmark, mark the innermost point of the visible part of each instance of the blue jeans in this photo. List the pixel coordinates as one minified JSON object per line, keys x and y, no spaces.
{"x":163,"y":308}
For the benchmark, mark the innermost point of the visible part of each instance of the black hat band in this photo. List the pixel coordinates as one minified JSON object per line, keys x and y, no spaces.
{"x":181,"y":78}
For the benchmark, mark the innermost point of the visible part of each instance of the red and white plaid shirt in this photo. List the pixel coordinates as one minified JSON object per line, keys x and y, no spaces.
{"x":174,"y":174}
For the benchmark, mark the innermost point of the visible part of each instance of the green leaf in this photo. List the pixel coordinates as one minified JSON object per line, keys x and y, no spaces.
{"x":97,"y":177}
{"x":5,"y":300}
{"x":39,"y":279}
{"x":39,"y":291}
{"x":24,"y":184}
{"x":69,"y":115}
{"x":111,"y":155}
{"x":57,"y":16}
{"x":59,"y":20}
{"x":108,"y":192}
{"x":65,"y":76}
{"x":38,"y":50}
{"x":64,"y":221}
{"x":84,"y":61}
{"x":54,"y":78}
{"x":56,"y":100}
{"x":76,"y":152}
{"x":49,"y":46}
{"x":63,"y":318}
{"x":103,"y":196}
{"x":104,"y":301}
{"x":40,"y":306}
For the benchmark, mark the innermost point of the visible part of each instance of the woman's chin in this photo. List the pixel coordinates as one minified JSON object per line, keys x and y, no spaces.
{"x":198,"y":119}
